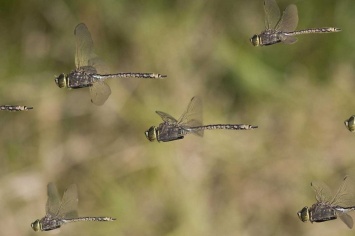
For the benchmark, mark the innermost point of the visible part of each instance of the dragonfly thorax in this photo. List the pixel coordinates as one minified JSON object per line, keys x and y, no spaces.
{"x":36,"y":226}
{"x":61,"y":80}
{"x":151,"y":133}
{"x":303,"y":214}
{"x":255,"y":40}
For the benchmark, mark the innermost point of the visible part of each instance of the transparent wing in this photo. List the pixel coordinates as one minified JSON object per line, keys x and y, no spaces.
{"x":323,"y":193}
{"x":289,"y":19}
{"x":53,"y":201}
{"x":347,"y":219}
{"x":99,"y":92}
{"x":345,"y":195}
{"x":193,"y":114}
{"x":99,"y":64}
{"x":166,"y":117}
{"x":192,"y":117}
{"x":272,"y":14}
{"x":69,"y":205}
{"x":84,"y":55}
{"x":288,"y":39}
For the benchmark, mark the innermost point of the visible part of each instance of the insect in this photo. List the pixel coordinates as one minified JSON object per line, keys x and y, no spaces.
{"x":62,"y":212}
{"x":283,"y":29}
{"x":329,"y":206}
{"x":190,"y":122}
{"x":88,"y":68}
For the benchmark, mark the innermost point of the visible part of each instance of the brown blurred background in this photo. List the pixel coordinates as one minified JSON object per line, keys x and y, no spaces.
{"x":227,"y":183}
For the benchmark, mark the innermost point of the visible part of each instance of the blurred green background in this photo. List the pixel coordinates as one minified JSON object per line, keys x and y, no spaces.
{"x":227,"y":183}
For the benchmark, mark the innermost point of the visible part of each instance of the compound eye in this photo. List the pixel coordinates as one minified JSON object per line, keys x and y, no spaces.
{"x":255,"y":40}
{"x":151,"y":134}
{"x":61,"y":81}
{"x":36,"y":226}
{"x":303,"y":214}
{"x":350,"y":124}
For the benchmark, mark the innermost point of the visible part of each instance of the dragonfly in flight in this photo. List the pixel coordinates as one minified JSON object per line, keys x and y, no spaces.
{"x":190,"y":122}
{"x":329,"y":206}
{"x":89,"y":70}
{"x":62,"y":212}
{"x":283,"y":29}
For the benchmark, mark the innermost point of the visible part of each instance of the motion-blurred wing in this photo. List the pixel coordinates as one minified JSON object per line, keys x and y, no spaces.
{"x":192,"y":117}
{"x":288,"y":39}
{"x":193,"y":114}
{"x":272,"y":14}
{"x":53,"y":201}
{"x":323,"y":193}
{"x":99,"y":93}
{"x":84,"y":46}
{"x":345,"y":195}
{"x":166,"y":117}
{"x":69,"y":205}
{"x":289,"y":19}
{"x":347,"y":219}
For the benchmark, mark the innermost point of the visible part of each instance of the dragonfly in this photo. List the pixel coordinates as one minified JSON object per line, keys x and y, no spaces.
{"x":329,"y":206}
{"x":61,"y":212}
{"x":90,"y":70}
{"x":283,"y":29}
{"x":350,"y":124}
{"x":190,"y":122}
{"x":14,"y":108}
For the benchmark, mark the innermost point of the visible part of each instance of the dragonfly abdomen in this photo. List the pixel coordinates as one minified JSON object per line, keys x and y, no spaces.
{"x":345,"y":209}
{"x":131,"y":75}
{"x":314,"y":31}
{"x":225,"y":126}
{"x":14,"y":108}
{"x":89,"y":219}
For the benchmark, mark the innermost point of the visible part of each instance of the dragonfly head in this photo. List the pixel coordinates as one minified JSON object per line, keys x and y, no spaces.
{"x":255,"y":40}
{"x":350,"y":123}
{"x":303,"y":214}
{"x":151,"y":133}
{"x":36,"y":226}
{"x":61,"y":81}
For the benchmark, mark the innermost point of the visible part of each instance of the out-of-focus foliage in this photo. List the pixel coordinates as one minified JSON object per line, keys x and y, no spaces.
{"x":227,"y":183}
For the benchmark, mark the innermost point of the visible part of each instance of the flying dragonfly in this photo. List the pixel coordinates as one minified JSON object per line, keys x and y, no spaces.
{"x":190,"y":122}
{"x":90,"y":69}
{"x":283,"y":29}
{"x":62,"y":212}
{"x":329,"y":206}
{"x":14,"y":108}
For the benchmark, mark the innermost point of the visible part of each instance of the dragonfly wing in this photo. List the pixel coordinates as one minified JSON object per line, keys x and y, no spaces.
{"x":69,"y":206}
{"x":199,"y":132}
{"x":166,"y":117}
{"x":99,"y":92}
{"x":99,"y":64}
{"x":289,"y":19}
{"x":345,"y":195}
{"x":288,"y":39}
{"x":53,"y":201}
{"x":272,"y":13}
{"x":84,"y":46}
{"x":323,"y":193}
{"x":193,"y":114}
{"x":347,"y":219}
